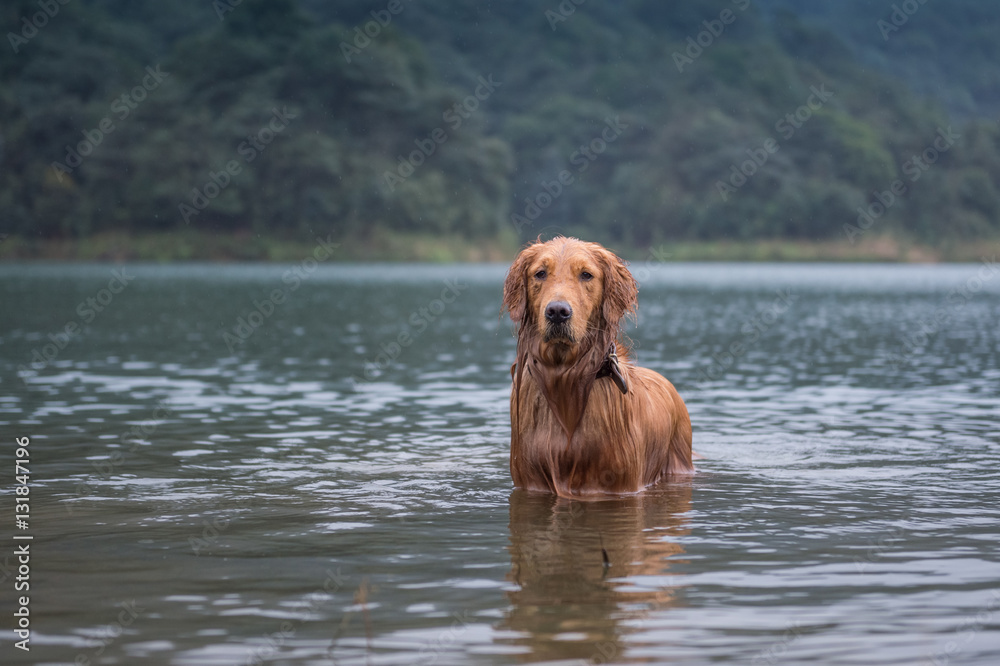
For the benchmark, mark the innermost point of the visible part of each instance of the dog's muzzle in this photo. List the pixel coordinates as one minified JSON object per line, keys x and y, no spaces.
{"x":558,"y":312}
{"x":557,"y":316}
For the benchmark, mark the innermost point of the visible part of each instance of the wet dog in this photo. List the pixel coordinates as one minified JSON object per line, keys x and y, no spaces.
{"x":584,"y":419}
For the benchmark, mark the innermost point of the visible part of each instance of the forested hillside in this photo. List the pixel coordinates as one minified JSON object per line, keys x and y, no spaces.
{"x":947,"y":51}
{"x":633,"y":122}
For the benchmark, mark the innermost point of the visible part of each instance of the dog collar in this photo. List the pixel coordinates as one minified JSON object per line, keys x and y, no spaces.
{"x":610,"y":368}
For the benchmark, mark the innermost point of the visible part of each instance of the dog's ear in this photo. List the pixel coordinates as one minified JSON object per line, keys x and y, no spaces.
{"x":515,"y":288}
{"x":620,"y":289}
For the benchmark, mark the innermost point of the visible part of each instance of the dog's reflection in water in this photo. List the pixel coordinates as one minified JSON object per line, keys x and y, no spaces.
{"x":575,"y":565}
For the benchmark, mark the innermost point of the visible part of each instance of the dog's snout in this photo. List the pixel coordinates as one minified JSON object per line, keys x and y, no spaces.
{"x":558,"y":311}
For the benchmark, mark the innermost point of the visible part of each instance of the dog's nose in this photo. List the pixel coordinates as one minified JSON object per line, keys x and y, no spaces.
{"x":558,"y":311}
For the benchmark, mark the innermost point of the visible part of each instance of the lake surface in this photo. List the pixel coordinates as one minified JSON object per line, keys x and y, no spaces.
{"x":328,"y":482}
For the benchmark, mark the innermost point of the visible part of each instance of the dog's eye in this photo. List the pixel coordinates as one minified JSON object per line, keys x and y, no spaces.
{"x":586,"y":276}
{"x":540,"y":275}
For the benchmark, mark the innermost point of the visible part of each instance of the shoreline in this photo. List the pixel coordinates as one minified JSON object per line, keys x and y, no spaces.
{"x":184,"y":246}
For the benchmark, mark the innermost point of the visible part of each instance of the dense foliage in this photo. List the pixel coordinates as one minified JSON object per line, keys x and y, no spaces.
{"x":632,"y":121}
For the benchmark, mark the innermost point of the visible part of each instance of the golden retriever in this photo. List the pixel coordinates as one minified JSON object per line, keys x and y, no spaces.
{"x":584,"y":419}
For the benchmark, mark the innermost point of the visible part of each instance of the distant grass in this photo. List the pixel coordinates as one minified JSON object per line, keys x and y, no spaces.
{"x":187,"y":245}
{"x":876,"y":249}
{"x":203,"y":246}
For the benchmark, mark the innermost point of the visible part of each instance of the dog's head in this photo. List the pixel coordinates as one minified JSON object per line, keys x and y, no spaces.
{"x":566,"y":293}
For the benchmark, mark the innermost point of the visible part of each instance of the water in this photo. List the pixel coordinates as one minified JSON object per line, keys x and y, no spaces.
{"x":296,"y":498}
